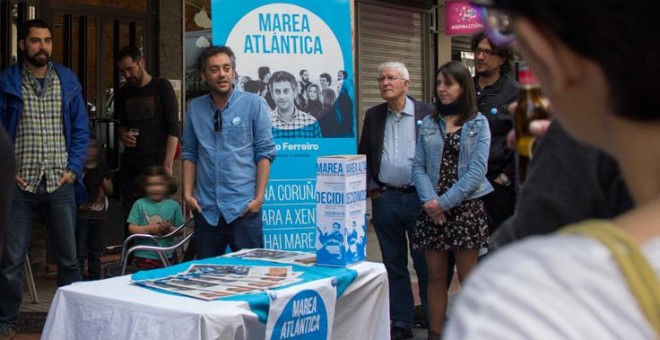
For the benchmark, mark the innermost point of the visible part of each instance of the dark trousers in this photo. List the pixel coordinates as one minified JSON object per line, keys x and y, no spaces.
{"x":59,"y":211}
{"x":394,"y":218}
{"x":212,"y":241}
{"x":90,"y":242}
{"x":500,"y":204}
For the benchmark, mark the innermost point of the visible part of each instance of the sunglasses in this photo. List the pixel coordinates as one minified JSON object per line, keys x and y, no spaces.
{"x":498,"y":22}
{"x":217,"y":125}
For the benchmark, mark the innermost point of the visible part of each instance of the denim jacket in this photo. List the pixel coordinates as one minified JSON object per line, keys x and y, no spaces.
{"x":472,"y":161}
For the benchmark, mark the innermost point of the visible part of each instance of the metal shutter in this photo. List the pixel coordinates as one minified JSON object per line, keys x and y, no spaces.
{"x":391,"y":33}
{"x":458,"y":44}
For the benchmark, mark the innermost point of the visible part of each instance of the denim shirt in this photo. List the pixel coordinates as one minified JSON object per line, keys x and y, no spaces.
{"x":472,"y":161}
{"x":226,"y":161}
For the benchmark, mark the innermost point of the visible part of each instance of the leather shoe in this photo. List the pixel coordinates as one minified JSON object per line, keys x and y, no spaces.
{"x":419,"y":320}
{"x":398,"y":333}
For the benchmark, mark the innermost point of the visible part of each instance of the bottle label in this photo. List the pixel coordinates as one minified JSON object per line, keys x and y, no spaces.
{"x":527,"y":78}
{"x":525,"y":145}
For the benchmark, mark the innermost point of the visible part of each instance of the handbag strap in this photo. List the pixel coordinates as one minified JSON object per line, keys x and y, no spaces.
{"x":636,"y":269}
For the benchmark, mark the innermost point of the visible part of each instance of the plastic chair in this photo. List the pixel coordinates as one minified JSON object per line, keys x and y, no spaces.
{"x":157,"y":247}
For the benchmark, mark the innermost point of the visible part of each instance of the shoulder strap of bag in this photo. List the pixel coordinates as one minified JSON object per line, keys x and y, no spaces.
{"x":636,"y":269}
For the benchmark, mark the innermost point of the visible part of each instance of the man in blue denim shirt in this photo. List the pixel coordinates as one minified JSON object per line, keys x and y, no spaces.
{"x":227,"y":152}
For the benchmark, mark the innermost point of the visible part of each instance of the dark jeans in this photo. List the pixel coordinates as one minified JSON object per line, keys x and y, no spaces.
{"x":89,"y":238}
{"x":394,"y":217}
{"x":244,"y":232}
{"x":59,"y":211}
{"x":500,"y":204}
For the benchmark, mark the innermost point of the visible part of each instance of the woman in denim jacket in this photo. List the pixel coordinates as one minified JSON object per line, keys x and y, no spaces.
{"x":449,"y":173}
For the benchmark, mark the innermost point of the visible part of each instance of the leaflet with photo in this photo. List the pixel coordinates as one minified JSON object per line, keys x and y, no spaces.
{"x":279,"y":256}
{"x":211,"y":282}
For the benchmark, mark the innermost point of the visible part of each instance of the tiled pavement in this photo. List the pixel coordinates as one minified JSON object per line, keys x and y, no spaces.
{"x":46,"y":287}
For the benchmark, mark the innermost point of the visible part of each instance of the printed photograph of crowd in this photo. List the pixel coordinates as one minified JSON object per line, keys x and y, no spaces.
{"x":301,"y":107}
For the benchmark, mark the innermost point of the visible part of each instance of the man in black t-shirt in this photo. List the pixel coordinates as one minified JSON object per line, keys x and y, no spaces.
{"x":149,"y":123}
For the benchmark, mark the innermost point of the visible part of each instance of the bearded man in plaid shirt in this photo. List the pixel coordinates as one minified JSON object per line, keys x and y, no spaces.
{"x":287,"y":120}
{"x":42,"y":108}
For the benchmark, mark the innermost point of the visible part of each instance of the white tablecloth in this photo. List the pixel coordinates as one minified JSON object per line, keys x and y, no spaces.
{"x":115,"y":309}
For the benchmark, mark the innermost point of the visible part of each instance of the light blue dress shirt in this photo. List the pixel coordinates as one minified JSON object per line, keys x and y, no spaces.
{"x":398,"y":146}
{"x":226,"y":161}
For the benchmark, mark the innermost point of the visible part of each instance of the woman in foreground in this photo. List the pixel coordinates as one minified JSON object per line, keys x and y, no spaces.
{"x":592,"y":58}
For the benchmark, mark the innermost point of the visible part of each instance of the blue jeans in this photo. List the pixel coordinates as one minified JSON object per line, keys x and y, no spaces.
{"x":394,"y":217}
{"x":212,"y":241}
{"x":58,"y":209}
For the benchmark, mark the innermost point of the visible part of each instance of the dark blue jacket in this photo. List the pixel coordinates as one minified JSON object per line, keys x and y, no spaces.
{"x":76,"y":123}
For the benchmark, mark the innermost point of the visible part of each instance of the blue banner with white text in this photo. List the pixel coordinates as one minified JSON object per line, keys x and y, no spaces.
{"x":298,"y":55}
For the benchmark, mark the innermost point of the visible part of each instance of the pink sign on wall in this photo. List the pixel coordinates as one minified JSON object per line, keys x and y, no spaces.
{"x":461,"y":18}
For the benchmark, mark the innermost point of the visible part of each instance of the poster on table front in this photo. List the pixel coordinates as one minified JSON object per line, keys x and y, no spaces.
{"x":306,"y":47}
{"x":302,"y":314}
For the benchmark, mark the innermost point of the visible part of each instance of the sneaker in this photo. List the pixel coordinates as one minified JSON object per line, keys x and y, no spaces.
{"x":7,"y":331}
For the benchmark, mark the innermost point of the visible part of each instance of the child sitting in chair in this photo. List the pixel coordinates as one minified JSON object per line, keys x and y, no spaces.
{"x":154,"y":214}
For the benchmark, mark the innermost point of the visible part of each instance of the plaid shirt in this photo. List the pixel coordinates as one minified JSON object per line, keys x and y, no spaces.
{"x":303,"y":125}
{"x":40,"y":143}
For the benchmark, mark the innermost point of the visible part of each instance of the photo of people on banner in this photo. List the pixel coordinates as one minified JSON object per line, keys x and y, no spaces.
{"x":348,"y":246}
{"x":304,"y":108}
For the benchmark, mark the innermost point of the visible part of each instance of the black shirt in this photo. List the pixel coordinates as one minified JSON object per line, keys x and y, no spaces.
{"x":96,"y":206}
{"x":493,"y":102}
{"x":153,"y":110}
{"x":567,"y":182}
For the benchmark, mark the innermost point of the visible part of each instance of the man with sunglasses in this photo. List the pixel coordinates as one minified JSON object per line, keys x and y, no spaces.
{"x":227,"y":152}
{"x":496,"y":90}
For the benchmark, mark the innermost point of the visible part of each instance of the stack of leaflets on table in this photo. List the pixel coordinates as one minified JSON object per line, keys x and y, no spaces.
{"x":279,"y":256}
{"x":211,"y":281}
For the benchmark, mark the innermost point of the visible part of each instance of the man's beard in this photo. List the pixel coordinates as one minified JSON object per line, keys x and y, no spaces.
{"x":485,"y":73}
{"x":135,"y":81}
{"x":34,"y":60}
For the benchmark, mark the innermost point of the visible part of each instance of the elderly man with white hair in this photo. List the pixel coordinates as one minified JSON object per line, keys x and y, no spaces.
{"x":388,"y":139}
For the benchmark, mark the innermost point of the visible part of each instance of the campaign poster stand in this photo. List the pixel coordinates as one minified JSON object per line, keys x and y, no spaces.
{"x":311,"y":41}
{"x":341,"y":205}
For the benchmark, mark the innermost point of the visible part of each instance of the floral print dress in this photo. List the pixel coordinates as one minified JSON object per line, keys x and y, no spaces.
{"x":467,"y":223}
